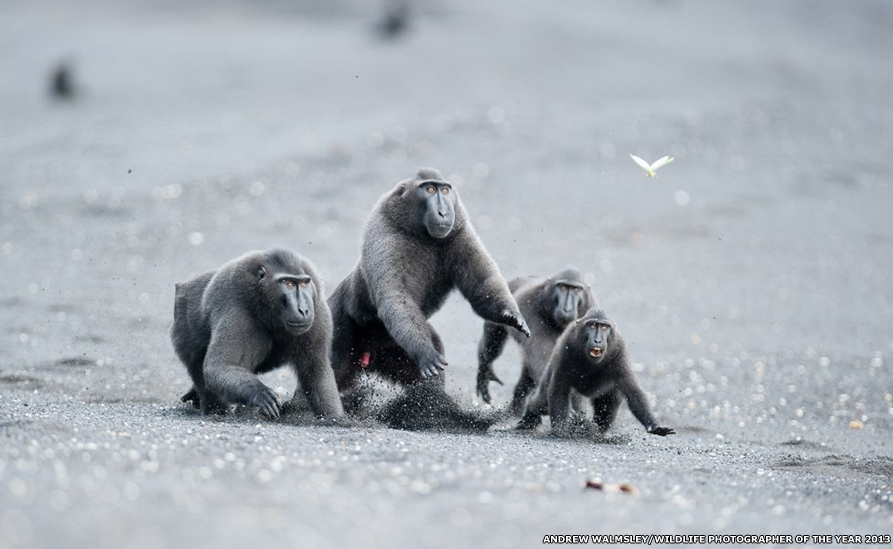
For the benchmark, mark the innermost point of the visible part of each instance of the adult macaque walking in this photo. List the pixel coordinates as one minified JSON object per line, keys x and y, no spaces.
{"x":418,"y":245}
{"x":549,"y":306}
{"x":254,"y":314}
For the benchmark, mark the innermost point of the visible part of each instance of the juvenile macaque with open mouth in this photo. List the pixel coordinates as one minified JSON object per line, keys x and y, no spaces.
{"x":589,"y":357}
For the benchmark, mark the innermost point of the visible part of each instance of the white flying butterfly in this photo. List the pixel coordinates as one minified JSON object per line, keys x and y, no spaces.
{"x":651,"y":168}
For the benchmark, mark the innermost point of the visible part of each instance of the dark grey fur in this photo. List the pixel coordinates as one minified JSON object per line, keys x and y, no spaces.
{"x":590,"y":357}
{"x":249,"y":317}
{"x":548,"y":306}
{"x":417,"y":247}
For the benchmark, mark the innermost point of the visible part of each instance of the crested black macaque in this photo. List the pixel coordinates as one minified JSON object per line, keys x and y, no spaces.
{"x":256,"y":313}
{"x":589,"y":357}
{"x":548,"y":306}
{"x":418,"y":245}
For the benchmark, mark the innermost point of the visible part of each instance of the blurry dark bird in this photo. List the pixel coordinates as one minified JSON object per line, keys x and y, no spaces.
{"x":62,"y":82}
{"x":395,"y":20}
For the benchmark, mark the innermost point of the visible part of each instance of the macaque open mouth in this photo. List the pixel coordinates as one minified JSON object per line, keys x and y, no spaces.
{"x":596,"y":352}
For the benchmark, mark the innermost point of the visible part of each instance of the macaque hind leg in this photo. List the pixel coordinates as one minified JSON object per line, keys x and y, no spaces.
{"x":604,"y":409}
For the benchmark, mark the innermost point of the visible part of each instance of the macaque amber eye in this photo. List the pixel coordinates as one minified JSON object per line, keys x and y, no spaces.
{"x":431,"y":190}
{"x":444,"y":191}
{"x":593,"y":326}
{"x":290,"y":285}
{"x":605,"y":327}
{"x":304,"y":284}
{"x":575,"y":290}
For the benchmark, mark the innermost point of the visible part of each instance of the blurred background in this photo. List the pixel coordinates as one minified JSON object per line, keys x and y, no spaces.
{"x":143,"y":142}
